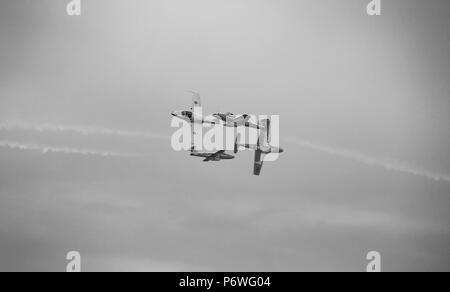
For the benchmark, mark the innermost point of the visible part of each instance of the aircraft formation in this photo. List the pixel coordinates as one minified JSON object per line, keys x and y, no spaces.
{"x":261,"y":148}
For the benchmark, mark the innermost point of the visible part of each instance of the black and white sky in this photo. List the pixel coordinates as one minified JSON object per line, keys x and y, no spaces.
{"x":85,"y":156}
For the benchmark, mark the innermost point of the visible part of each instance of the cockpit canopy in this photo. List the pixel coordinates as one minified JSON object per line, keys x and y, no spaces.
{"x":223,"y":116}
{"x":186,"y":114}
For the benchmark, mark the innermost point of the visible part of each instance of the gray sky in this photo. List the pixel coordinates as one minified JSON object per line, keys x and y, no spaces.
{"x":364,"y":109}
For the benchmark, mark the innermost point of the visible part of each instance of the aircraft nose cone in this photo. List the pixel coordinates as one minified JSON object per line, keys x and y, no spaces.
{"x":173,"y":114}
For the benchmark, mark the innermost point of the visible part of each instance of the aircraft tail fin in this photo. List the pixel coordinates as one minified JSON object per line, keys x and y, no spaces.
{"x":196,"y":101}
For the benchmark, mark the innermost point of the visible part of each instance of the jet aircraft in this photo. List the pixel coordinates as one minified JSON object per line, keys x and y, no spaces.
{"x":214,"y":156}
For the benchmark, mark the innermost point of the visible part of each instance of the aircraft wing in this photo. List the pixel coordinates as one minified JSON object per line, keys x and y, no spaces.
{"x":213,"y":156}
{"x":253,"y":125}
{"x":196,"y":103}
{"x":259,"y":159}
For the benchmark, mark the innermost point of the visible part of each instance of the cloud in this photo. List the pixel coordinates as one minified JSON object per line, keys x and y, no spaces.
{"x":48,"y":149}
{"x":388,"y":164}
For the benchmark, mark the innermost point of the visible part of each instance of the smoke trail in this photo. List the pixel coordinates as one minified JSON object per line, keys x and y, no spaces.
{"x":48,"y":149}
{"x":388,"y":164}
{"x":83,"y":130}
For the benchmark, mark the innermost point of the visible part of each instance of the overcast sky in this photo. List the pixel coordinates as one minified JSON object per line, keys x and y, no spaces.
{"x":364,"y":105}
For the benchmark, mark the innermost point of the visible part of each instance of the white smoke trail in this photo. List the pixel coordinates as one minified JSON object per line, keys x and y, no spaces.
{"x":83,"y":130}
{"x":48,"y":149}
{"x":388,"y":164}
